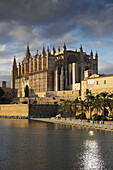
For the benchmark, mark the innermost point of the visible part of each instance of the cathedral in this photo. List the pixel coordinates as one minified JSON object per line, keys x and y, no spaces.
{"x":51,"y":71}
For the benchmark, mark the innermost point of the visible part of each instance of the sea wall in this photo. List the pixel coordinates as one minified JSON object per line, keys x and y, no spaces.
{"x":24,"y":110}
{"x":43,"y":110}
{"x":14,"y":110}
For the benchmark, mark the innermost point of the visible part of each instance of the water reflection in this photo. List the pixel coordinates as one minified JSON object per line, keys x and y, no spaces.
{"x":22,"y":123}
{"x":91,"y":133}
{"x":92,"y":158}
{"x":37,"y":145}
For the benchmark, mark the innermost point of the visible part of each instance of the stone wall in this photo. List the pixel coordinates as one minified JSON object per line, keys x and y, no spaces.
{"x":14,"y":110}
{"x":97,"y":84}
{"x":43,"y":110}
{"x":22,"y":110}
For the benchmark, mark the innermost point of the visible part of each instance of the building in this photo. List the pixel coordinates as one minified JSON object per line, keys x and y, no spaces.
{"x":7,"y":90}
{"x":96,"y":84}
{"x":51,"y":71}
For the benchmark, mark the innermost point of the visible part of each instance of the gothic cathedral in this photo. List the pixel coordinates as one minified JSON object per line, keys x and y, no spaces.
{"x":51,"y":71}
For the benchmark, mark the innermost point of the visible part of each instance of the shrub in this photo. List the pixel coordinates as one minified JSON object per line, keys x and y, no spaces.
{"x":81,"y":116}
{"x":1,"y":92}
{"x":97,"y":117}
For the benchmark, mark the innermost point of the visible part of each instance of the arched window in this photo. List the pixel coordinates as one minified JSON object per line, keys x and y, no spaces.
{"x":26,"y":91}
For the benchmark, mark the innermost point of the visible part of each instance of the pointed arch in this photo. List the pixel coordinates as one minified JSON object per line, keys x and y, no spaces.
{"x":26,"y":91}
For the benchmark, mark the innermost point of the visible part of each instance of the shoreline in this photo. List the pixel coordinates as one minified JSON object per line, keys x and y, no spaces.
{"x":106,"y":127}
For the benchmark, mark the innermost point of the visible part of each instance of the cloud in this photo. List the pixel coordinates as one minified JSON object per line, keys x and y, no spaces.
{"x":2,"y":47}
{"x":54,"y":1}
{"x":68,"y":38}
{"x":53,"y":22}
{"x":62,"y":15}
{"x":105,"y":67}
{"x":95,"y":44}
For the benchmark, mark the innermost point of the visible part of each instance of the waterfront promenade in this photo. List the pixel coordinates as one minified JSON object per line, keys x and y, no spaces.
{"x":75,"y":122}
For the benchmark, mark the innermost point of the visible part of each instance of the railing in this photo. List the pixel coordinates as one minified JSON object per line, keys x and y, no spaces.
{"x":78,"y":122}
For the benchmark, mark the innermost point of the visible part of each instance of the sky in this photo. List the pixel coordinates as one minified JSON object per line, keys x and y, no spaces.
{"x":53,"y":22}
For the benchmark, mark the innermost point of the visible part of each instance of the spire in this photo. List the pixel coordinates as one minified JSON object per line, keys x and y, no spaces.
{"x":47,"y":50}
{"x":27,"y":54}
{"x":28,"y":47}
{"x":14,"y":62}
{"x":43,"y":49}
{"x":58,"y":48}
{"x":91,"y":54}
{"x":53,"y":50}
{"x":75,"y":50}
{"x":80,"y":49}
{"x":96,"y":55}
{"x":14,"y":73}
{"x":64,"y":47}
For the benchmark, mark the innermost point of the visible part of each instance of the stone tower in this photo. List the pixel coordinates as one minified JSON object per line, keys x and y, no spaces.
{"x":14,"y":73}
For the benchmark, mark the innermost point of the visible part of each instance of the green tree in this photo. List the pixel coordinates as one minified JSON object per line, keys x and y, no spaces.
{"x":63,"y":108}
{"x":82,"y":105}
{"x":69,"y":108}
{"x":104,"y":103}
{"x":1,"y":92}
{"x":90,"y":103}
{"x":75,"y":105}
{"x":110,"y":105}
{"x":97,"y":103}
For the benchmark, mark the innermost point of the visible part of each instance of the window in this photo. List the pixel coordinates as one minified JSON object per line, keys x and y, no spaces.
{"x":104,"y":81}
{"x":90,"y":82}
{"x":87,"y":91}
{"x":97,"y":82}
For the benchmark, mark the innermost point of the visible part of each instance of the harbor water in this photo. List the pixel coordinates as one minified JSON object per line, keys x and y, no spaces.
{"x":33,"y":145}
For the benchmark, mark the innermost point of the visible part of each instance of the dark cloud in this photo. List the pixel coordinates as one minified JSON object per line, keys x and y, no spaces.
{"x":59,"y":16}
{"x":52,"y":22}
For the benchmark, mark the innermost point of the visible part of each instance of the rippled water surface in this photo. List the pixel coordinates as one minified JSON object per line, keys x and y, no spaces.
{"x":35,"y":145}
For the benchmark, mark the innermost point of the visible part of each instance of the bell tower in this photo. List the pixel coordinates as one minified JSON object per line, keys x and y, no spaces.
{"x":14,"y":73}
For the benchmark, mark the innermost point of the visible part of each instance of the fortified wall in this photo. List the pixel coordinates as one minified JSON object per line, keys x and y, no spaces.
{"x":26,"y":110}
{"x":14,"y":110}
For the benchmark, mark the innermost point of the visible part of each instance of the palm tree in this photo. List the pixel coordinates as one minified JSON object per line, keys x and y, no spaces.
{"x":104,"y":102}
{"x":90,"y":101}
{"x":69,"y":108}
{"x":82,"y":106}
{"x":75,"y":105}
{"x":97,"y":103}
{"x":64,"y":107}
{"x":110,"y":105}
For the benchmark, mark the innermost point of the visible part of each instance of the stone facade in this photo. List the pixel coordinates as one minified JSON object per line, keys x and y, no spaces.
{"x":96,"y":84}
{"x":51,"y":71}
{"x":7,"y":90}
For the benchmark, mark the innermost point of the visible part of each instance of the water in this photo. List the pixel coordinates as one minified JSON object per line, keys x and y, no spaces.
{"x":35,"y":145}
